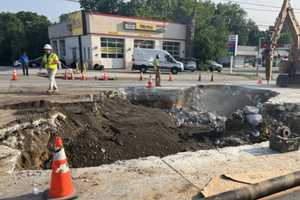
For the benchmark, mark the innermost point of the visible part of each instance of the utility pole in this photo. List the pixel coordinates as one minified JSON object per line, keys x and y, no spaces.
{"x":191,"y":28}
{"x":258,"y":55}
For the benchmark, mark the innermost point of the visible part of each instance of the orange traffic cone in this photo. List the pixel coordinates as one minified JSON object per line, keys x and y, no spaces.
{"x":105,"y":76}
{"x":170,"y":77}
{"x":14,"y":75}
{"x":61,"y":186}
{"x":141,"y":76}
{"x":259,"y":81}
{"x":66,"y":75}
{"x":150,"y":83}
{"x":81,"y":76}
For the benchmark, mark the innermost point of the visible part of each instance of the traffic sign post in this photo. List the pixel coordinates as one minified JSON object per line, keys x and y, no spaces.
{"x":232,"y":48}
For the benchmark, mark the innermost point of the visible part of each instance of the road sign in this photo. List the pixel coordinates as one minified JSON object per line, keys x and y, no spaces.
{"x":232,"y":44}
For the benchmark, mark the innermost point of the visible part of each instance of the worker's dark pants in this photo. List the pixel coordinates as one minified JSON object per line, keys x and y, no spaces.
{"x":157,"y":77}
{"x":25,"y":69}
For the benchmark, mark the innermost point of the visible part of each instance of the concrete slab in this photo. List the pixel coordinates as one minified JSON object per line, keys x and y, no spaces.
{"x":151,"y":178}
{"x":8,"y":159}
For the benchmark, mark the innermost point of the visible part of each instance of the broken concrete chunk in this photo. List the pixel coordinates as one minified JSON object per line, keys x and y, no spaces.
{"x":8,"y":159}
{"x":254,"y":119}
{"x":251,"y":110}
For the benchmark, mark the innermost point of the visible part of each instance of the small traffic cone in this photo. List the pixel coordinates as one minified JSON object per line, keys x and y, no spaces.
{"x":150,"y":83}
{"x":14,"y":75}
{"x":105,"y":76}
{"x":170,"y":77}
{"x":84,"y":76}
{"x":61,"y":186}
{"x":66,"y":75}
{"x":141,"y":76}
{"x":81,"y":76}
{"x":259,"y":81}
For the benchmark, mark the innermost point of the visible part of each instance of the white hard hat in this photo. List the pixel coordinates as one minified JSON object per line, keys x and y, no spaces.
{"x":47,"y":47}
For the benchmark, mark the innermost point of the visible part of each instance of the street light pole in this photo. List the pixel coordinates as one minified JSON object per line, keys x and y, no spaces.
{"x":258,"y":55}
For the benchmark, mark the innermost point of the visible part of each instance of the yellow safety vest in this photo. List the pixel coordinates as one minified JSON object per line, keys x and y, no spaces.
{"x":156,"y":63}
{"x":51,"y":61}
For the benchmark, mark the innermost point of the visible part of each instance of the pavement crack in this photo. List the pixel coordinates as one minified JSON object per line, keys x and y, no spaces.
{"x":181,"y":175}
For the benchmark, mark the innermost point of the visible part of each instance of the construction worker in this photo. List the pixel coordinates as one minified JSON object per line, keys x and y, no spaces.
{"x":24,"y":60}
{"x":50,"y":62}
{"x":156,"y":64}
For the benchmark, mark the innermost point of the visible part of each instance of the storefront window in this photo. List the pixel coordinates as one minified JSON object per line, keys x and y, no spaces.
{"x":112,"y":48}
{"x":62,"y":48}
{"x":172,"y":47}
{"x":147,"y":44}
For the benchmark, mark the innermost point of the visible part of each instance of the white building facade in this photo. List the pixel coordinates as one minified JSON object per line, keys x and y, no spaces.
{"x":109,"y":40}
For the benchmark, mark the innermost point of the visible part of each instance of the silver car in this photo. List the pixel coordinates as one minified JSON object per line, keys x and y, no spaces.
{"x":214,"y":66}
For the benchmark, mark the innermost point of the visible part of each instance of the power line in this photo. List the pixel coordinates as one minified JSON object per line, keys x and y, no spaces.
{"x":74,"y":1}
{"x":256,"y":4}
{"x":266,"y":10}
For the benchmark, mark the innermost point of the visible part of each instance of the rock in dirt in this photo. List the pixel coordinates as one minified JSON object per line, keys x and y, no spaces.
{"x":187,"y":118}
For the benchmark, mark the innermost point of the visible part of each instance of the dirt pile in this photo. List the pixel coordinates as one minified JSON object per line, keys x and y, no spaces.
{"x":114,"y":129}
{"x":94,"y":133}
{"x":105,"y":130}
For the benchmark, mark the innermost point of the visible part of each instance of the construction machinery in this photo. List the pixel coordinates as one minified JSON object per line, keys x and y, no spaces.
{"x":291,"y":75}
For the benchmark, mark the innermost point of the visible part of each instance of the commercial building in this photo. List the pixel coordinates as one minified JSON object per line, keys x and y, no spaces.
{"x":109,"y":40}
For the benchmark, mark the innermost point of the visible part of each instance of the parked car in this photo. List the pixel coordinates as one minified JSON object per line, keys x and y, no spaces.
{"x":190,"y":64}
{"x":214,"y":66}
{"x":98,"y":67}
{"x":143,"y":60}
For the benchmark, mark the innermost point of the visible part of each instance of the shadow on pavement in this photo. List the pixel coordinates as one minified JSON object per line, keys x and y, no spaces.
{"x":41,"y":196}
{"x":260,"y":151}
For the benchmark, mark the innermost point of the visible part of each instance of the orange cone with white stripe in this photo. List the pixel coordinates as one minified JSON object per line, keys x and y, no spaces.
{"x":61,"y":181}
{"x":14,"y":75}
{"x":170,"y":77}
{"x":259,"y":81}
{"x":105,"y":76}
{"x":66,"y":75}
{"x":150,"y":83}
{"x":81,"y":76}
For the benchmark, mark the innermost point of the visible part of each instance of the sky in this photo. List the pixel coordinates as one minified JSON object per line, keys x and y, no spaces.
{"x":263,"y":14}
{"x":266,"y":12}
{"x":51,"y":8}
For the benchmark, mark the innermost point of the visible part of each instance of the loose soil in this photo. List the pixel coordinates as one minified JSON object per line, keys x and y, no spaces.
{"x":112,"y":129}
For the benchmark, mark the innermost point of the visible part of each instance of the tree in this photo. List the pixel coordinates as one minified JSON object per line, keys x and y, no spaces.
{"x":23,"y":31}
{"x":211,"y":33}
{"x":105,"y":6}
{"x":36,"y":32}
{"x":214,"y":22}
{"x":253,"y":33}
{"x":11,"y":34}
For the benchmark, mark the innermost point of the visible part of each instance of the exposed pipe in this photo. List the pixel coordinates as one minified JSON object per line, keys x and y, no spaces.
{"x":262,"y":189}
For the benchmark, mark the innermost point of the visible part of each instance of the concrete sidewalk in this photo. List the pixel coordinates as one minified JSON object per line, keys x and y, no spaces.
{"x":177,"y":177}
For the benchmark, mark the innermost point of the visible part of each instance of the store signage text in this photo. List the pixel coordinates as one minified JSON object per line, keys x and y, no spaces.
{"x":143,"y":27}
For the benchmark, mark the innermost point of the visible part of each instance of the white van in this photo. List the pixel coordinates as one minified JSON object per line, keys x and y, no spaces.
{"x":143,"y":60}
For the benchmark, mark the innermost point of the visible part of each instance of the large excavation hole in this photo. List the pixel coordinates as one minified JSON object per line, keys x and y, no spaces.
{"x":113,"y":127}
